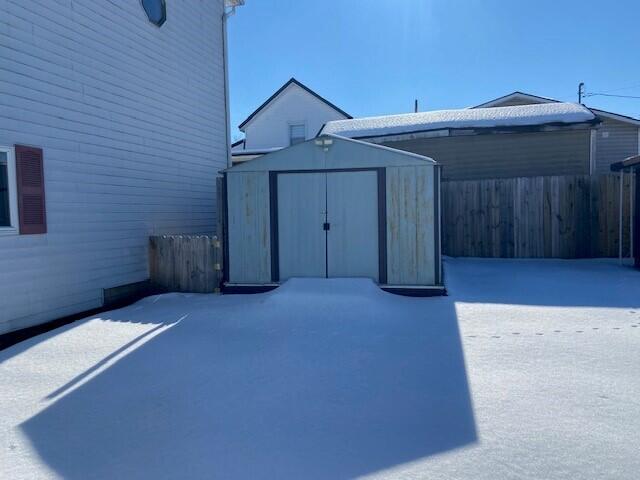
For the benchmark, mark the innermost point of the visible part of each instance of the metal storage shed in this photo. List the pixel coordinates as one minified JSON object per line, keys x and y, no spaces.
{"x":334,"y":207}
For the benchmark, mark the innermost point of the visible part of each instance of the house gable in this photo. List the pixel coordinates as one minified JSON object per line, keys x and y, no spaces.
{"x":283,"y":88}
{"x":514,"y":99}
{"x":294,"y":110}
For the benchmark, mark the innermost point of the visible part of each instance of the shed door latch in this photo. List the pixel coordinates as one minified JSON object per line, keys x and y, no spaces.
{"x":326,"y":226}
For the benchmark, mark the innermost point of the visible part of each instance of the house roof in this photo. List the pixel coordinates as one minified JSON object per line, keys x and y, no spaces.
{"x":516,"y":117}
{"x":281,"y":89}
{"x":536,"y":98}
{"x":516,"y":96}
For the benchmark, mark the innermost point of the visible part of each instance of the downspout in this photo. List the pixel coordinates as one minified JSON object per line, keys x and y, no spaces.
{"x":225,"y":65}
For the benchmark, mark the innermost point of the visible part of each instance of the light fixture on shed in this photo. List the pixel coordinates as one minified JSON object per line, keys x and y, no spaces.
{"x":324,"y":142}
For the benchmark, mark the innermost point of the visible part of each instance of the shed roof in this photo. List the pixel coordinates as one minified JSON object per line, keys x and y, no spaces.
{"x":351,"y":153}
{"x":633,"y":161}
{"x":498,"y":117}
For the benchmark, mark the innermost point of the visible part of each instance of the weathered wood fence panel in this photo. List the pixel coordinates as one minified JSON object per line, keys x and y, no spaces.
{"x":185,"y":263}
{"x":554,"y":217}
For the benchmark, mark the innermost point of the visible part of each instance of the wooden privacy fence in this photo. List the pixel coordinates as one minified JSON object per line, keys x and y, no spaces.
{"x":573,"y":216}
{"x":185,"y":263}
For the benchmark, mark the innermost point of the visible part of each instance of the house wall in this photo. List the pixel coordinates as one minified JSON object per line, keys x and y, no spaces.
{"x":615,"y":141}
{"x":505,"y":155}
{"x":270,"y":127}
{"x":131,"y":119}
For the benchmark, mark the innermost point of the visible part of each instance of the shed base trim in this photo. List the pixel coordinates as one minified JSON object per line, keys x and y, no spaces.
{"x":416,"y":290}
{"x":405,"y":290}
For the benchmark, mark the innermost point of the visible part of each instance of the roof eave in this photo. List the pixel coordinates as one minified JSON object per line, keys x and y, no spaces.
{"x":514,"y":128}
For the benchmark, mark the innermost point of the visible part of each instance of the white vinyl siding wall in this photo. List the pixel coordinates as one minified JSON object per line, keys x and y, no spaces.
{"x":131,"y":120}
{"x":294,"y":106}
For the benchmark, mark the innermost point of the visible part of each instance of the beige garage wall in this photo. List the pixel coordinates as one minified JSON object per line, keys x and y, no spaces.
{"x":505,"y":155}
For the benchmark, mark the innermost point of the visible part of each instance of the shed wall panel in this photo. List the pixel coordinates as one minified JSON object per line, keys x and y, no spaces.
{"x":249,"y":223}
{"x":410,"y":226}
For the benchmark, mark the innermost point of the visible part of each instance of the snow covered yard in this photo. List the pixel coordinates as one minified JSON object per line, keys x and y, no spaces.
{"x":528,"y":370}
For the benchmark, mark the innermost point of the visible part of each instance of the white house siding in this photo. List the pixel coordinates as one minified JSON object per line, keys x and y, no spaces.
{"x":615,"y":141}
{"x":270,"y":127}
{"x":131,"y":121}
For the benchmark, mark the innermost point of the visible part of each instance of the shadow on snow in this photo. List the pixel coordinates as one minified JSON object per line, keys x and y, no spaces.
{"x":318,"y":379}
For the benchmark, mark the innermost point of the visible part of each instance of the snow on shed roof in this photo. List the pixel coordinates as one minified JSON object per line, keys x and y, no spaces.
{"x":516,"y":116}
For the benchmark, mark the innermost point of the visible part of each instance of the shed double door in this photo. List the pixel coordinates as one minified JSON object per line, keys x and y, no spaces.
{"x":328,"y":224}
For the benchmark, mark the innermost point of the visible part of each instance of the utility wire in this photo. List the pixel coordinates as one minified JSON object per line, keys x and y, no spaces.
{"x":595,"y":94}
{"x":630,"y":87}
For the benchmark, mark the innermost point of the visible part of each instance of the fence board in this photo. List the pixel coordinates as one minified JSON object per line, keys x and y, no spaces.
{"x":185,"y":263}
{"x":573,"y":216}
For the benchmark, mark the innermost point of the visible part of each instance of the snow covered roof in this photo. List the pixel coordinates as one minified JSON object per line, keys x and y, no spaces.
{"x":516,"y":116}
{"x":527,"y":97}
{"x":253,"y":151}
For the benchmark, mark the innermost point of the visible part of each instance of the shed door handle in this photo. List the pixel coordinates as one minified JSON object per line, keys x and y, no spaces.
{"x":326,"y":226}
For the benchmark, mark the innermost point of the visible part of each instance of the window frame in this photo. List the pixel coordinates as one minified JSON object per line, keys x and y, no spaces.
{"x":297,"y":124}
{"x":14,"y":219}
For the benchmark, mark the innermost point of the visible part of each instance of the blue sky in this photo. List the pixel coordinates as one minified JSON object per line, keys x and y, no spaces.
{"x":374,"y":57}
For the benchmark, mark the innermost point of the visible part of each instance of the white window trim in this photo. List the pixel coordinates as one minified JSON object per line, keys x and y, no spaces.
{"x":296,"y":124}
{"x":13,"y":193}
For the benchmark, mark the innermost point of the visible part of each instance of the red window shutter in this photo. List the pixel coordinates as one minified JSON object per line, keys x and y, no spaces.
{"x":30,"y":181}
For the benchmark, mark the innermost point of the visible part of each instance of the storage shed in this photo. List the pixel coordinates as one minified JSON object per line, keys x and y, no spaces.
{"x":334,"y":207}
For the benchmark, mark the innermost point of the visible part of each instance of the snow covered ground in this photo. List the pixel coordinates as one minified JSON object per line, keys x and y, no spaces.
{"x":528,"y":370}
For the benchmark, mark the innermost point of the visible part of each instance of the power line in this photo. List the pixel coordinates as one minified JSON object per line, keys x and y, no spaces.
{"x":597,"y":94}
{"x":630,"y":87}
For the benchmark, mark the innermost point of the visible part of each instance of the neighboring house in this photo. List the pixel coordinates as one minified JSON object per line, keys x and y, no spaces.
{"x":617,"y":137}
{"x":293,"y":114}
{"x":112,"y":128}
{"x":528,"y":140}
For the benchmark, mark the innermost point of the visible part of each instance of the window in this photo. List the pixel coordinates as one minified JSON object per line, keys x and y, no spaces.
{"x":156,"y":11}
{"x":8,"y":192}
{"x":297,"y":133}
